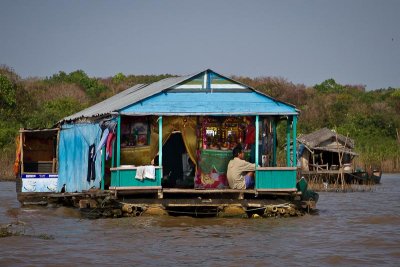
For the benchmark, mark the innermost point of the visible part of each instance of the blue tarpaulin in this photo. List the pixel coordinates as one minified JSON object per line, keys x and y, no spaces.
{"x":73,"y":157}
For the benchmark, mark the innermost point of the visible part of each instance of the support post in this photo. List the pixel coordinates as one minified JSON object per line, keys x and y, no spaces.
{"x":294,"y":141}
{"x":274,"y":143}
{"x":113,"y":158}
{"x":160,"y":133}
{"x":257,"y":141}
{"x":21,"y":138}
{"x":288,"y":164}
{"x":103,"y":166}
{"x":119,"y":141}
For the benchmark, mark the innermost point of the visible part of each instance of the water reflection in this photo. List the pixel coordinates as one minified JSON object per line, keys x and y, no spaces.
{"x":359,"y":228}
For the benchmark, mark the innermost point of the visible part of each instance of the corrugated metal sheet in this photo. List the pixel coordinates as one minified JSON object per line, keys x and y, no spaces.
{"x":127,"y":97}
{"x":141,"y":92}
{"x":230,"y":103}
{"x":315,"y":139}
{"x":103,"y":106}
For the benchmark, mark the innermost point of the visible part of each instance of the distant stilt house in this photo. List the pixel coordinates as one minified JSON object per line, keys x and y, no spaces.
{"x":325,"y":150}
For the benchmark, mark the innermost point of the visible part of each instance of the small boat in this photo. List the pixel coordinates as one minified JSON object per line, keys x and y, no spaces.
{"x":376,"y":176}
{"x":363,"y":177}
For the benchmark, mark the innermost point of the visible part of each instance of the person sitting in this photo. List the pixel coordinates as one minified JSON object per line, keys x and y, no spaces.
{"x":240,"y":173}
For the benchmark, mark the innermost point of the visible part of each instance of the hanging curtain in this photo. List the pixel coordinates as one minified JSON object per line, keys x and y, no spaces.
{"x":186,"y":125}
{"x":73,"y":151}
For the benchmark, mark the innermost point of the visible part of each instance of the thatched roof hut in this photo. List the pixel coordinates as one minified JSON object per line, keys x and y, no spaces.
{"x":325,"y":149}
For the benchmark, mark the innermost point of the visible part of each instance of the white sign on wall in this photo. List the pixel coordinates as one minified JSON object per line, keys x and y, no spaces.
{"x":39,"y":182}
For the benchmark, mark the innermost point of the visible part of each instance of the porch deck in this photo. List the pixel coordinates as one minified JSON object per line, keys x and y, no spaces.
{"x":268,"y":180}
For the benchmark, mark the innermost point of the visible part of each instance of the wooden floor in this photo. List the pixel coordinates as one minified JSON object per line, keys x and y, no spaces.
{"x":337,"y":172}
{"x":194,"y":193}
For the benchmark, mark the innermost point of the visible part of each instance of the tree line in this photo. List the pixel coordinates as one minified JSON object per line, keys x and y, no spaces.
{"x":371,"y":118}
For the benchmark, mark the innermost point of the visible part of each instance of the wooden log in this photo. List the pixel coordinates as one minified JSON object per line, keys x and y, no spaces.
{"x":117,"y":212}
{"x":282,"y":211}
{"x":291,"y":211}
{"x":153,"y":210}
{"x":271,"y":208}
{"x":233,"y":211}
{"x":107,"y":213}
{"x":127,"y":208}
{"x":88,"y":203}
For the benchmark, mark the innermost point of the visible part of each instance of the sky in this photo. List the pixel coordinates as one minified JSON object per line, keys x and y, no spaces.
{"x":355,"y":42}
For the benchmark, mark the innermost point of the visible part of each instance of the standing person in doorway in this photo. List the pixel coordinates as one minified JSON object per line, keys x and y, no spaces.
{"x":240,"y":173}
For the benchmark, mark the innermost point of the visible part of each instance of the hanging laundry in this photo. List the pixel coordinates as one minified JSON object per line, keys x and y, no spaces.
{"x":110,"y":142}
{"x":148,"y":172}
{"x":109,"y":124}
{"x":103,"y":140}
{"x":140,"y":173}
{"x":91,"y":175}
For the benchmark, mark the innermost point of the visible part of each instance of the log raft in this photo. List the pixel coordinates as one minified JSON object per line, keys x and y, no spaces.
{"x":176,"y":202}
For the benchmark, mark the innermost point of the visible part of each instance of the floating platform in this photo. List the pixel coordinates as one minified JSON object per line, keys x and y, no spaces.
{"x":177,"y":202}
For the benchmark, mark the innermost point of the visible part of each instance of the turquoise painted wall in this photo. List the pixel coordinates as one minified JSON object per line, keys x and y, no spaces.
{"x":276,"y":179}
{"x":123,"y":178}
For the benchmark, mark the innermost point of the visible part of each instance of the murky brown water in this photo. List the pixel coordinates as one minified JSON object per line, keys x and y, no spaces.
{"x":351,"y":229}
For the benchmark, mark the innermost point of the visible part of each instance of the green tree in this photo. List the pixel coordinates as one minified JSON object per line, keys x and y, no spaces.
{"x":119,"y":78}
{"x":8,"y":126}
{"x":51,"y":112}
{"x":329,"y":86}
{"x":7,"y":92}
{"x":92,"y":86}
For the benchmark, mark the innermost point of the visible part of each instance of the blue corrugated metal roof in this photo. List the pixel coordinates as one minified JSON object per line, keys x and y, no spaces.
{"x":134,"y":97}
{"x":231,"y":103}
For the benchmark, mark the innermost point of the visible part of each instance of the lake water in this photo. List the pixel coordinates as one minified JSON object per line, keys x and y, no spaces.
{"x":350,"y":229}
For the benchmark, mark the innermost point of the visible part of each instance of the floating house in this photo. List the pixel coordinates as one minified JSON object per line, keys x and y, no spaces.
{"x":174,"y":135}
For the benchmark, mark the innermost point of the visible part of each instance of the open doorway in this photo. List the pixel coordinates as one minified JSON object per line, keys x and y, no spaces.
{"x":178,"y":168}
{"x":38,"y":161}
